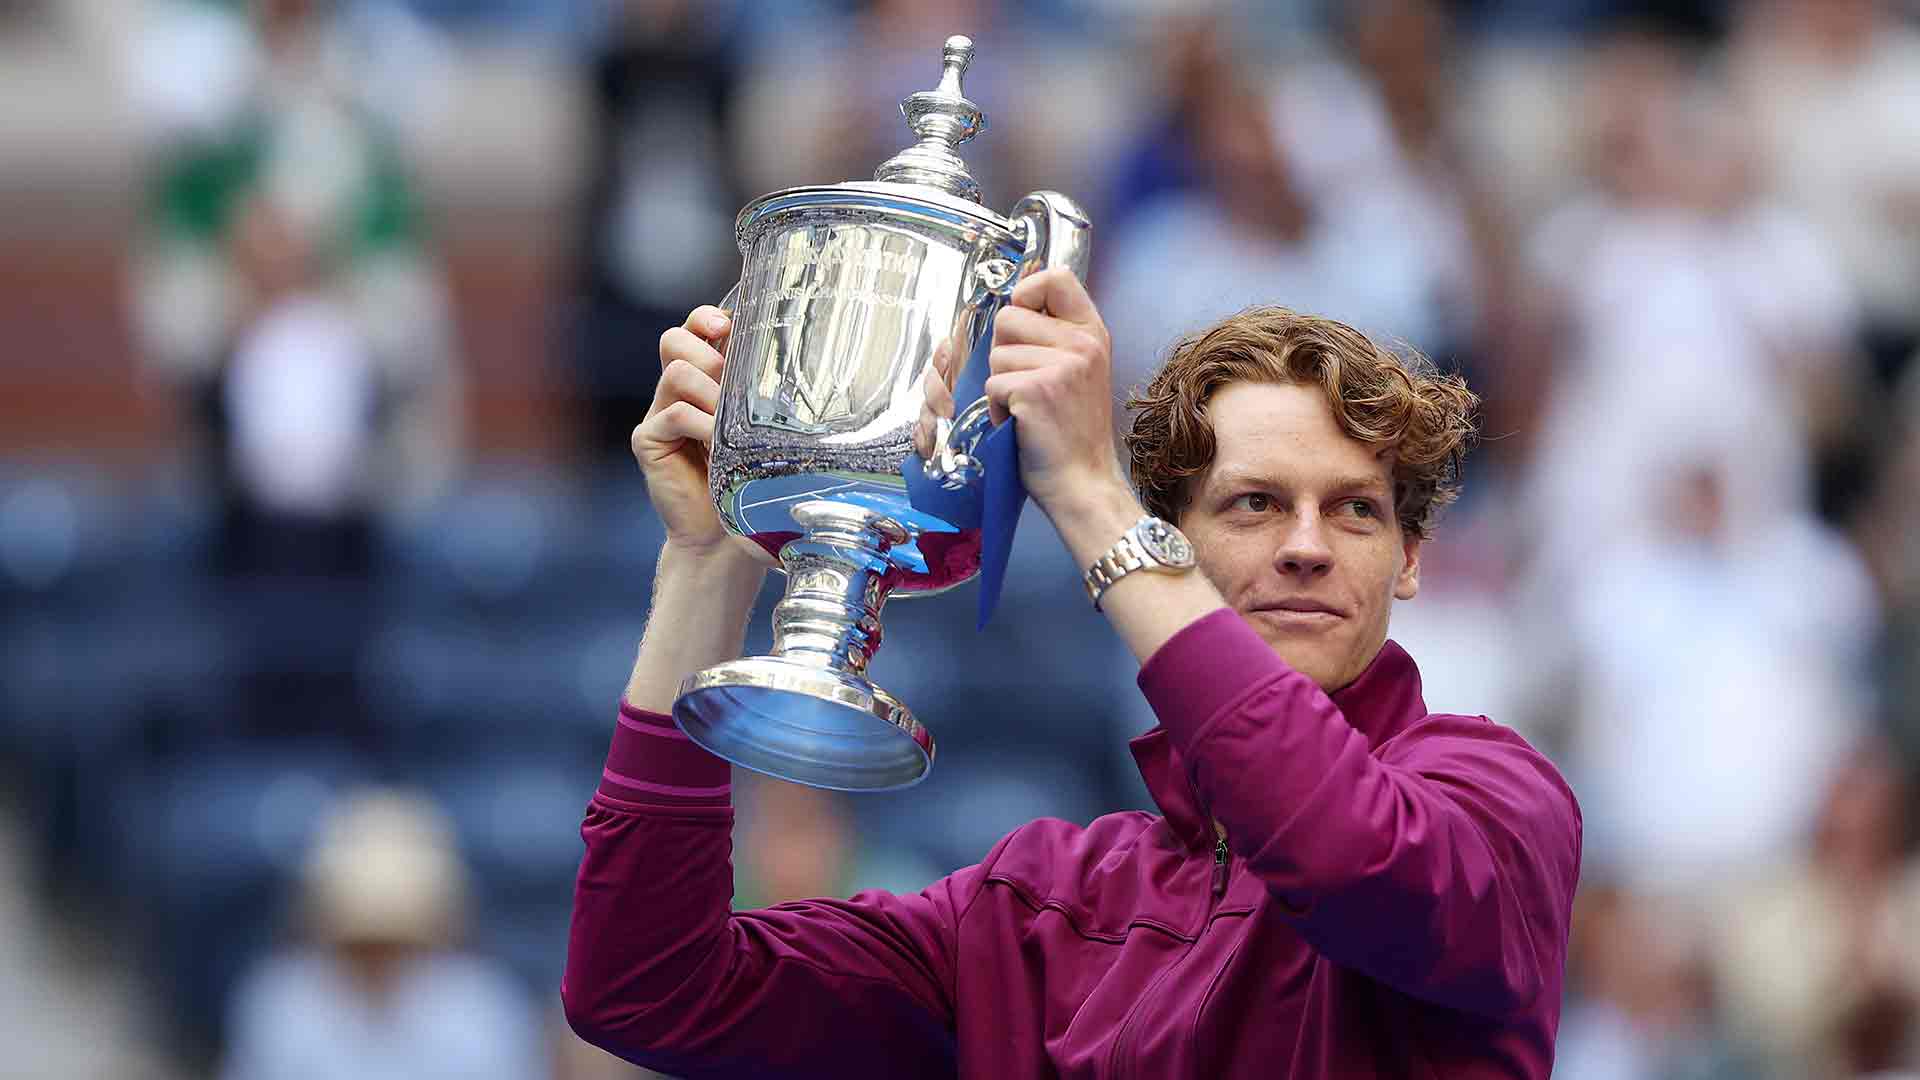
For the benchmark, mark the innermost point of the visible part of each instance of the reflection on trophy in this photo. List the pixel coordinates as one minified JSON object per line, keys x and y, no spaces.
{"x":845,"y":294}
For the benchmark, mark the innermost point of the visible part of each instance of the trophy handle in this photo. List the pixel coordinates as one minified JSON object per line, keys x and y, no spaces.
{"x":728,"y":303}
{"x":954,"y":464}
{"x":1055,"y":232}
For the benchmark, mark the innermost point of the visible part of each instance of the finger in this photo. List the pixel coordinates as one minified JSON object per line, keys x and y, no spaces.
{"x":683,"y":381}
{"x":936,"y":401}
{"x":1058,"y":293}
{"x":997,"y":410}
{"x":666,"y":430}
{"x":684,"y":345}
{"x":1026,"y":326}
{"x":709,"y":322}
{"x":939,"y":399}
{"x":712,"y":325}
{"x":1006,"y":358}
{"x":1001,"y":391}
{"x":943,"y":355}
{"x":923,"y":434}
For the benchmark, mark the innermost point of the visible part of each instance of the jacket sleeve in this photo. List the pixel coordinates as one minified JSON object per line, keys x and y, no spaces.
{"x":1444,"y":867}
{"x":662,"y":973}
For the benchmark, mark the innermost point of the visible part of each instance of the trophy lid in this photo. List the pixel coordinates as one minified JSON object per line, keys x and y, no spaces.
{"x":943,"y":119}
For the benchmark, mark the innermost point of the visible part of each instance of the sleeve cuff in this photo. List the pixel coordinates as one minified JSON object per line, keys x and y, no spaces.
{"x":1211,"y":663}
{"x":652,"y":762}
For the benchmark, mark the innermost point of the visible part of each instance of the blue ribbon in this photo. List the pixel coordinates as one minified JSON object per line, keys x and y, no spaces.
{"x":996,"y":513}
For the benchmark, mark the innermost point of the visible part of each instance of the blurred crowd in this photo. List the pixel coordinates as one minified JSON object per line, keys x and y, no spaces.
{"x":309,"y":653}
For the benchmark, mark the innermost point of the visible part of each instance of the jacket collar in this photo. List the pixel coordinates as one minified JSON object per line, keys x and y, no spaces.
{"x":1384,"y":701}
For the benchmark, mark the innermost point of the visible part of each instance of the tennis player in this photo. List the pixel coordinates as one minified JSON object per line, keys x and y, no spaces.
{"x":1339,"y":883}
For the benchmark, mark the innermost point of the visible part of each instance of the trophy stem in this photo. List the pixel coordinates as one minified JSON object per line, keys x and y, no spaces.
{"x":838,"y":578}
{"x":807,"y":713}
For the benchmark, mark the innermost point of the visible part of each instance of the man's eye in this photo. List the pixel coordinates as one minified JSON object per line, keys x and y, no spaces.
{"x":1360,"y":508}
{"x":1254,"y":501}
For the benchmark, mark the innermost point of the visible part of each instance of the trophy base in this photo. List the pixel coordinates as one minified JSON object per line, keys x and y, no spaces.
{"x":804,"y":723}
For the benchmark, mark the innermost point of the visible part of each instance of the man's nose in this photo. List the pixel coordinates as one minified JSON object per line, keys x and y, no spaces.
{"x":1303,"y":551}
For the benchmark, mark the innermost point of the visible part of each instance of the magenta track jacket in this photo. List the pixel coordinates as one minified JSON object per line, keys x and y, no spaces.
{"x":1392,"y":901}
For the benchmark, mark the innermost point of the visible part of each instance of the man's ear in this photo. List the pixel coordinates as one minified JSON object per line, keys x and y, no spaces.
{"x":1406,"y":586}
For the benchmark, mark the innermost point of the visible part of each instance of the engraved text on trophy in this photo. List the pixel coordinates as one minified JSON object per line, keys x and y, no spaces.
{"x":840,"y":318}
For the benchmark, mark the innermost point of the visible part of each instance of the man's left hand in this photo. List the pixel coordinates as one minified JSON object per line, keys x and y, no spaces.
{"x":1052,"y":368}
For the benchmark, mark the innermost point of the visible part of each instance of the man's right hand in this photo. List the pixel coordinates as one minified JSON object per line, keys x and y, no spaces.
{"x":671,"y":443}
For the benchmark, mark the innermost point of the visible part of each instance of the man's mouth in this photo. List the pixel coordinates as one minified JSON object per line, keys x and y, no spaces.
{"x":1300,"y":610}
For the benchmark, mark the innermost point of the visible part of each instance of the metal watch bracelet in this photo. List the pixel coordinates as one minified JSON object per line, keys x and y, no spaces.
{"x":1123,"y":558}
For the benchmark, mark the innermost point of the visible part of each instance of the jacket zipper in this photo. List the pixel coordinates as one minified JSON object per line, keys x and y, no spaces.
{"x":1220,"y":867}
{"x":1221,"y":855}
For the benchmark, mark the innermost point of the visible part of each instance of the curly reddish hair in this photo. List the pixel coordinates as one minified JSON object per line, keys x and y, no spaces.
{"x":1378,"y":397}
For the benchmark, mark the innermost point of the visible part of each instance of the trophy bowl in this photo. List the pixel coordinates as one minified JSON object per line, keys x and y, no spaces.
{"x":846,"y":293}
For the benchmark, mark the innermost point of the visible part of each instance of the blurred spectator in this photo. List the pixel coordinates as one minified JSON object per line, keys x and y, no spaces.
{"x":379,"y":988}
{"x":1820,"y":962}
{"x":1700,"y":317}
{"x":821,"y":105}
{"x":1708,"y":688}
{"x":284,"y":290}
{"x":657,"y":231}
{"x":820,"y":100}
{"x":1161,"y":158}
{"x":1324,"y":190}
{"x":795,"y":843}
{"x":1403,"y":162}
{"x":1691,"y":300}
{"x":1831,"y":86}
{"x":284,"y":286}
{"x":1639,"y":1000}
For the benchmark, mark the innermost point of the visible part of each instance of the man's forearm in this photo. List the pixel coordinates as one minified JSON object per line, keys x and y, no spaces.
{"x":698,"y":618}
{"x":1147,"y":609}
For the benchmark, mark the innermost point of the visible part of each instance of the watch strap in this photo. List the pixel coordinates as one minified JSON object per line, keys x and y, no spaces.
{"x":1123,"y":558}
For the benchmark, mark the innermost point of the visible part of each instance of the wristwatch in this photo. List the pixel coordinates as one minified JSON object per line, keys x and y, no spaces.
{"x":1151,"y":544}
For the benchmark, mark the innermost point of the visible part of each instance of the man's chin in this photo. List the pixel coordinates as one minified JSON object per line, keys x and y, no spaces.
{"x":1302,"y":656}
{"x":1313,"y":647}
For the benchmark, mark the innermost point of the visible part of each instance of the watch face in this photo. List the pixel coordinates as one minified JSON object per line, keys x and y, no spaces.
{"x":1165,"y":543}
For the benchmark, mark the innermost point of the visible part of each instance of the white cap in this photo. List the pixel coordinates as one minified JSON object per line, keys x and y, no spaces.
{"x":385,"y":868}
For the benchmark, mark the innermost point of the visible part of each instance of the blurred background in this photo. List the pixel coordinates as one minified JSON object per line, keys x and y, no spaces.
{"x":322,"y":559}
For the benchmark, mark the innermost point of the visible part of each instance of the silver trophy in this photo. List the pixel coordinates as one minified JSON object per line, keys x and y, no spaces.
{"x":845,"y":294}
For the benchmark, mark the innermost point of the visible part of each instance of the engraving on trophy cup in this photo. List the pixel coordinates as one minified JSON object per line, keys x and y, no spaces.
{"x":847,"y":294}
{"x":850,"y":288}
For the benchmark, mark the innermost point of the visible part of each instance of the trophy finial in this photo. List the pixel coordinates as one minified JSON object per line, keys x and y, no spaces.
{"x":957,"y":53}
{"x":943,"y":118}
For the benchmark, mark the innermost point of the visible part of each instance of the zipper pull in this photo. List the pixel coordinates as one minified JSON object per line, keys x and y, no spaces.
{"x":1220,"y":857}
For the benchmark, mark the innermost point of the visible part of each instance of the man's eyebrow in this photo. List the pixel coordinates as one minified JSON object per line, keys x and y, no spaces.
{"x":1368,"y":484}
{"x":1238,"y":479}
{"x":1241,"y":480}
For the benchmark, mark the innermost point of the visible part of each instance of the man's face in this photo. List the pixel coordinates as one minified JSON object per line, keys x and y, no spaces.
{"x":1294,"y":523}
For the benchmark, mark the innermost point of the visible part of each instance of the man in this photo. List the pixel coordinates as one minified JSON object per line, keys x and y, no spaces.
{"x":381,"y":984}
{"x":1341,"y":884}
